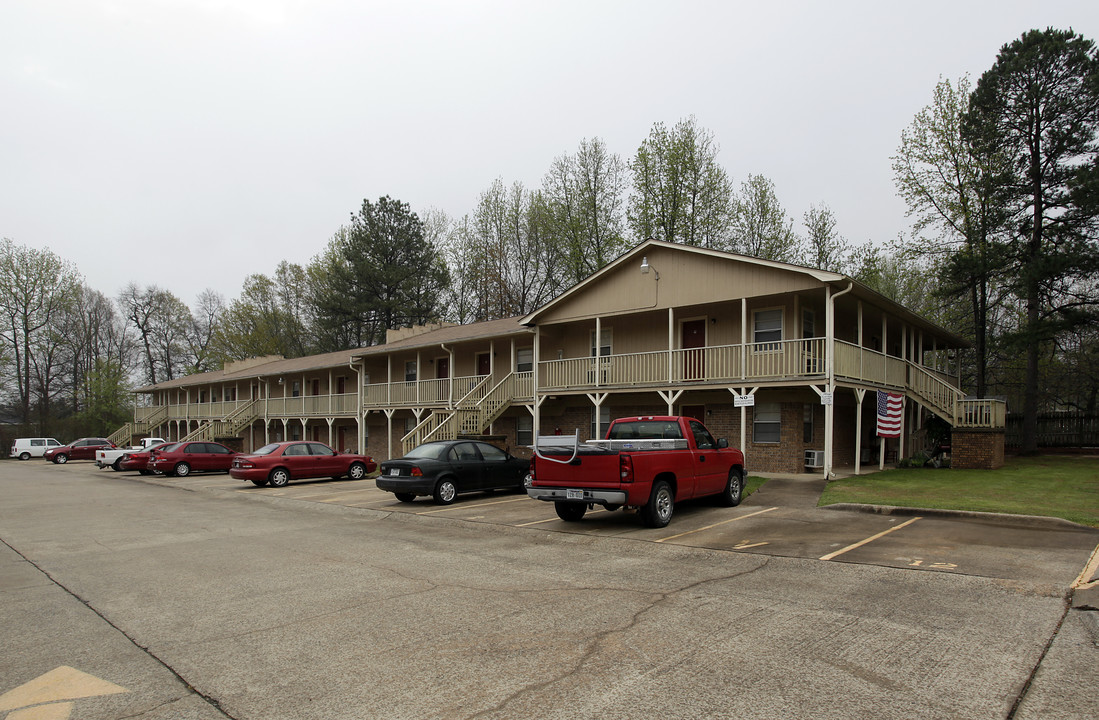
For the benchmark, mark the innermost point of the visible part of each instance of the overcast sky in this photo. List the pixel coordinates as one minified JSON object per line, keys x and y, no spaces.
{"x":190,"y":143}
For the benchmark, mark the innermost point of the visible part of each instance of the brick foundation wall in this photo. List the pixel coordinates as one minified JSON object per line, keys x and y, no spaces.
{"x":977,"y":449}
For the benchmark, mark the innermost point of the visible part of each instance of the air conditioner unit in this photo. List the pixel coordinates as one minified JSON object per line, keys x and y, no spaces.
{"x":814,"y":458}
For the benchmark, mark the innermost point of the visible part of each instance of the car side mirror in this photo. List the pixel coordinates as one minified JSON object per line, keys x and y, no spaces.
{"x":722,"y":443}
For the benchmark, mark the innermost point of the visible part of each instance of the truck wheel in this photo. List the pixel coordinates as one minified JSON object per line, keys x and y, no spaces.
{"x":24,"y":455}
{"x":657,"y":513}
{"x":734,"y":489}
{"x":570,"y":511}
{"x":445,"y":491}
{"x":117,"y":465}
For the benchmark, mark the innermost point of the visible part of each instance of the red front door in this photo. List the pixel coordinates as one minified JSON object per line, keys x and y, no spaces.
{"x":442,"y":368}
{"x":484,"y":364}
{"x":694,"y":343}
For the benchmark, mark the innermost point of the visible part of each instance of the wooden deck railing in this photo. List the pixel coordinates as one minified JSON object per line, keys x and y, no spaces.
{"x":726,"y":365}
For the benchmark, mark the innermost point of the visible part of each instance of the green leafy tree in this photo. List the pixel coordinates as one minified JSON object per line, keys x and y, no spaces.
{"x":681,"y":193}
{"x":1037,"y":108}
{"x":259,"y":322}
{"x":516,"y":260}
{"x":585,"y":198}
{"x":378,"y":274}
{"x":107,"y":399}
{"x":760,"y":227}
{"x":36,"y":288}
{"x":825,"y":248}
{"x":949,"y":186}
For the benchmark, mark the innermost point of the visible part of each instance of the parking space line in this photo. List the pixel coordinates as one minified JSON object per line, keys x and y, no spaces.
{"x":870,"y":539}
{"x":741,"y":517}
{"x":1084,"y":580}
{"x":539,"y":522}
{"x":464,"y":507}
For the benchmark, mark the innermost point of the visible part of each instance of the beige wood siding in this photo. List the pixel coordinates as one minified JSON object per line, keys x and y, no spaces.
{"x":686,"y":280}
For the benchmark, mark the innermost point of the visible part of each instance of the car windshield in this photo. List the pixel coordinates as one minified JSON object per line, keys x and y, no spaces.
{"x":267,"y":449}
{"x":431,"y":451}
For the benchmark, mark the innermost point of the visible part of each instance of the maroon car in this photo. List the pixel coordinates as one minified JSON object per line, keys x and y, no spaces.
{"x":139,"y":459}
{"x":82,"y":449}
{"x":279,"y":463}
{"x":182,"y":459}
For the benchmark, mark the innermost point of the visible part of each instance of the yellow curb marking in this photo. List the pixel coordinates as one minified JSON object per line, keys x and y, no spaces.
{"x":1083,"y":580}
{"x":870,"y":539}
{"x":757,"y":512}
{"x":744,"y":545}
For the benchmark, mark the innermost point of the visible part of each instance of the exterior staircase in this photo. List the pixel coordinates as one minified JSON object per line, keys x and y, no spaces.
{"x":126,"y":433}
{"x":228,"y":426}
{"x":951,"y":404}
{"x":478,"y":409}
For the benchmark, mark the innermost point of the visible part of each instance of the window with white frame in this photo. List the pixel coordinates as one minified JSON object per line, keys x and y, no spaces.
{"x":604,"y":347}
{"x":600,"y":421}
{"x":767,"y":328}
{"x":524,"y":430}
{"x":410,"y":371}
{"x":524,"y":360}
{"x":767,"y":423}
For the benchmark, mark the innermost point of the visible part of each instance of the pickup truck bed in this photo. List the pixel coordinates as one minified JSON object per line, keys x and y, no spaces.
{"x":111,"y":457}
{"x":649,"y":463}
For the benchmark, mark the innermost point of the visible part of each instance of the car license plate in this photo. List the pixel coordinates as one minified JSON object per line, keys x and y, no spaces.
{"x":394,"y":471}
{"x":574,"y":494}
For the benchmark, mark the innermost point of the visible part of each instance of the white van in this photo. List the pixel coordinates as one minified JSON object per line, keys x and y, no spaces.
{"x":26,"y":448}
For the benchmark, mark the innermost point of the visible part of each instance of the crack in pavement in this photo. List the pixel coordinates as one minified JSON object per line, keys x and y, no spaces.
{"x":596,"y":643}
{"x":211,"y":701}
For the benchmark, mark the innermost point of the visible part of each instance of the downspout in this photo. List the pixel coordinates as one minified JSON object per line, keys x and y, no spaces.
{"x":449,"y":378}
{"x":360,"y":414}
{"x":830,"y":409}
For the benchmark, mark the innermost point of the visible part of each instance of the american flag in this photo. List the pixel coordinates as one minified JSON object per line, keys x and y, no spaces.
{"x":890,"y":409}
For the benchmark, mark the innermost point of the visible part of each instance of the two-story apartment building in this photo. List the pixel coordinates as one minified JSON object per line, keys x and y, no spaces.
{"x":783,"y":360}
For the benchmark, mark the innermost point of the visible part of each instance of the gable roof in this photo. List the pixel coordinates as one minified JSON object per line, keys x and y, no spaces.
{"x":837,"y":281}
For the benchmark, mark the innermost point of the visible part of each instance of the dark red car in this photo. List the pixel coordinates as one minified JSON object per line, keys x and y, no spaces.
{"x":139,"y":459}
{"x":82,"y":449}
{"x":279,"y":463}
{"x":182,"y":459}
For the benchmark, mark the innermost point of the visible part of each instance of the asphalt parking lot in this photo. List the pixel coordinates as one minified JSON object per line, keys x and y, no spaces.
{"x":780,"y":519}
{"x":205,"y":598}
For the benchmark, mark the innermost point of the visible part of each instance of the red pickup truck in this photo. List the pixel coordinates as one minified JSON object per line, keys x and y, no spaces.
{"x":648,"y":463}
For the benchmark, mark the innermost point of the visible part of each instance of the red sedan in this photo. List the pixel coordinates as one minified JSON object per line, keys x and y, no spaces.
{"x":139,"y":459}
{"x":279,"y":463}
{"x":181,"y":459}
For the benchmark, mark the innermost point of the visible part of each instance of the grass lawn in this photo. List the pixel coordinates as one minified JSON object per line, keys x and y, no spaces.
{"x":1053,"y":485}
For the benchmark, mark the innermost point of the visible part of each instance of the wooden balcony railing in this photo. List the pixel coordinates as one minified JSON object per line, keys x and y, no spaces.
{"x":799,"y":360}
{"x":719,"y":364}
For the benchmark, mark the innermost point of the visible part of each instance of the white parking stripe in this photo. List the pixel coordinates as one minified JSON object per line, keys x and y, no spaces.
{"x":757,"y":512}
{"x":870,"y":539}
{"x":466,"y":507}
